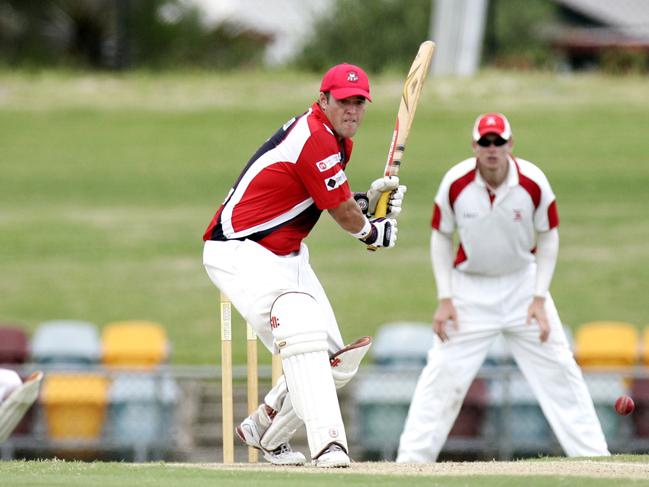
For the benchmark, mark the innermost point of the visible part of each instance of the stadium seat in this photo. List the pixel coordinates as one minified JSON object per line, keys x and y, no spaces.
{"x":403,"y":343}
{"x":14,"y":345}
{"x":514,"y":415}
{"x":607,"y":343}
{"x":381,"y":397}
{"x":141,"y":344}
{"x":469,"y":422}
{"x":66,"y":343}
{"x":141,"y":410}
{"x":640,"y":395}
{"x":75,"y":405}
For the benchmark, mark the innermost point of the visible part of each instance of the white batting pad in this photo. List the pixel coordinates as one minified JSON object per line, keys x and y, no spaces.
{"x":300,"y":335}
{"x":283,"y":426}
{"x":314,"y":398}
{"x":16,"y":405}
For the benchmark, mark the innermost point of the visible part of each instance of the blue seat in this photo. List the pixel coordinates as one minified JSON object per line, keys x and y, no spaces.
{"x":403,"y":343}
{"x":66,"y":343}
{"x":514,"y":415}
{"x":141,"y":410}
{"x":382,"y":394}
{"x":381,"y":397}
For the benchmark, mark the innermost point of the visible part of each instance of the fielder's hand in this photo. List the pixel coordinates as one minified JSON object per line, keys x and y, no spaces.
{"x":444,"y":314}
{"x":383,"y":185}
{"x":382,"y":234}
{"x":536,"y":312}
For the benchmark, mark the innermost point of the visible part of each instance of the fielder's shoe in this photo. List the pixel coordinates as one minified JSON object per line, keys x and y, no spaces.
{"x":249,"y":432}
{"x":332,"y":457}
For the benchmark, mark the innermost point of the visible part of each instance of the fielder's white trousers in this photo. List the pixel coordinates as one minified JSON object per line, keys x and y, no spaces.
{"x":252,"y":277}
{"x":486,"y":307}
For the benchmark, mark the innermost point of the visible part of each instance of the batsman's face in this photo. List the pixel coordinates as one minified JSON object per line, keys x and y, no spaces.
{"x":345,"y":115}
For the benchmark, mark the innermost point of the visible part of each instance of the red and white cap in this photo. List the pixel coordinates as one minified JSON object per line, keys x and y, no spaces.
{"x":345,"y":80}
{"x":492,"y":123}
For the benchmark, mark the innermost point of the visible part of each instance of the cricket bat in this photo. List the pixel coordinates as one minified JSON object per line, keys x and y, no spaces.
{"x":407,"y":107}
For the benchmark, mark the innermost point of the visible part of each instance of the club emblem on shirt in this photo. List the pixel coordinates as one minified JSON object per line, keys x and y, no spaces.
{"x":274,"y":322}
{"x":352,"y":76}
{"x":518,"y":215}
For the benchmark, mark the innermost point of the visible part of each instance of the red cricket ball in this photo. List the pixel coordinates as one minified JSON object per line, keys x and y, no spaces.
{"x":624,"y":405}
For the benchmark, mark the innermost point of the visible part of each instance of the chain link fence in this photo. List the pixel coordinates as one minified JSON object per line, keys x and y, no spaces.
{"x":173,"y":413}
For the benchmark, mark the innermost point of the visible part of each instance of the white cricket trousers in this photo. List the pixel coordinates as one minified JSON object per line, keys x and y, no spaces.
{"x":252,"y":277}
{"x":486,"y":307}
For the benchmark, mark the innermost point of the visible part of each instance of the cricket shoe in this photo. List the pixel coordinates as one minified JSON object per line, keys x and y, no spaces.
{"x":333,"y":457}
{"x":248,"y":432}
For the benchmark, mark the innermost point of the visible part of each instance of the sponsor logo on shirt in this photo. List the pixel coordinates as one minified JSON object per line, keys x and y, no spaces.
{"x":336,"y":180}
{"x":518,"y":215}
{"x":328,"y":163}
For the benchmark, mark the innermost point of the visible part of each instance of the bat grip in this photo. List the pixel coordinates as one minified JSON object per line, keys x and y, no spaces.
{"x":381,"y":211}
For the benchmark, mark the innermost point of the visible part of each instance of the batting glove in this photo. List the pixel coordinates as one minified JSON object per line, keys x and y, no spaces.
{"x":383,"y":233}
{"x":383,"y":185}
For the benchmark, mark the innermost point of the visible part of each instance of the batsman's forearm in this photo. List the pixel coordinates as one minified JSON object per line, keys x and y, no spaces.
{"x":349,"y":216}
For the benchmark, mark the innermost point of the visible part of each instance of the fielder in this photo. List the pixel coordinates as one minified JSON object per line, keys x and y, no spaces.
{"x":254,"y":253}
{"x":15,"y":399}
{"x":505,"y":214}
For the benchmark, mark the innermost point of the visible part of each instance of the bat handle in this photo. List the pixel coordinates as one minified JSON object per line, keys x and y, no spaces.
{"x":381,"y":211}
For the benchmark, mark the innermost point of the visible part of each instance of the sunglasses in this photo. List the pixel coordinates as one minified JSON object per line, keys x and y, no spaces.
{"x":485,"y":142}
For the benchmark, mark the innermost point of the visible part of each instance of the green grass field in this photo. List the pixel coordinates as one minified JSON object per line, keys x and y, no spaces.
{"x":109,"y":181}
{"x":621,"y":470}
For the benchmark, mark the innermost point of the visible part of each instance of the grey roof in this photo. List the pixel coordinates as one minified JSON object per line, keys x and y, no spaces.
{"x":630,"y":17}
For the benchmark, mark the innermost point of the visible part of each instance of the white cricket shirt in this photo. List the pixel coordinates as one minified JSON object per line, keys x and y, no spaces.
{"x":497,"y":232}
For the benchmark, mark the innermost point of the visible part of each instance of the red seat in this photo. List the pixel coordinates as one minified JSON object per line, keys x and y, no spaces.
{"x":469,"y":420}
{"x":14,"y":345}
{"x":14,"y":350}
{"x":640,"y":395}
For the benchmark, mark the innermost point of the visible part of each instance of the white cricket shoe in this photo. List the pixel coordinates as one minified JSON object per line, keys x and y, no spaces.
{"x":333,"y":457}
{"x":249,"y":432}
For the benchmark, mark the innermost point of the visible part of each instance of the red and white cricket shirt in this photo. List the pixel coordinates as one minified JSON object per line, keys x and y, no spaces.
{"x":283,"y":189}
{"x":496,"y":230}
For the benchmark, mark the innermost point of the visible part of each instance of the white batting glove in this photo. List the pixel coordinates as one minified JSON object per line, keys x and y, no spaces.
{"x":383,"y":233}
{"x":384,"y":185}
{"x":396,"y":200}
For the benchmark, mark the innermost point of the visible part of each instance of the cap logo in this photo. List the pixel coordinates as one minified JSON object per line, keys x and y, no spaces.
{"x":491,"y":121}
{"x":352,"y":76}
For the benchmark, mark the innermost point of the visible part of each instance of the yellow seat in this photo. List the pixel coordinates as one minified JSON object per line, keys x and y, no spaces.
{"x":75,"y":405}
{"x":141,"y":344}
{"x":607,"y":343}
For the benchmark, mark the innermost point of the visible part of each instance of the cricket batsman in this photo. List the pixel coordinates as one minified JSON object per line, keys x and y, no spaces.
{"x":254,"y":253}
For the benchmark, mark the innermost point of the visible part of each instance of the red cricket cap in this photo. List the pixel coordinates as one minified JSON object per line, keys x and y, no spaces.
{"x":345,"y":80}
{"x":492,"y":123}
